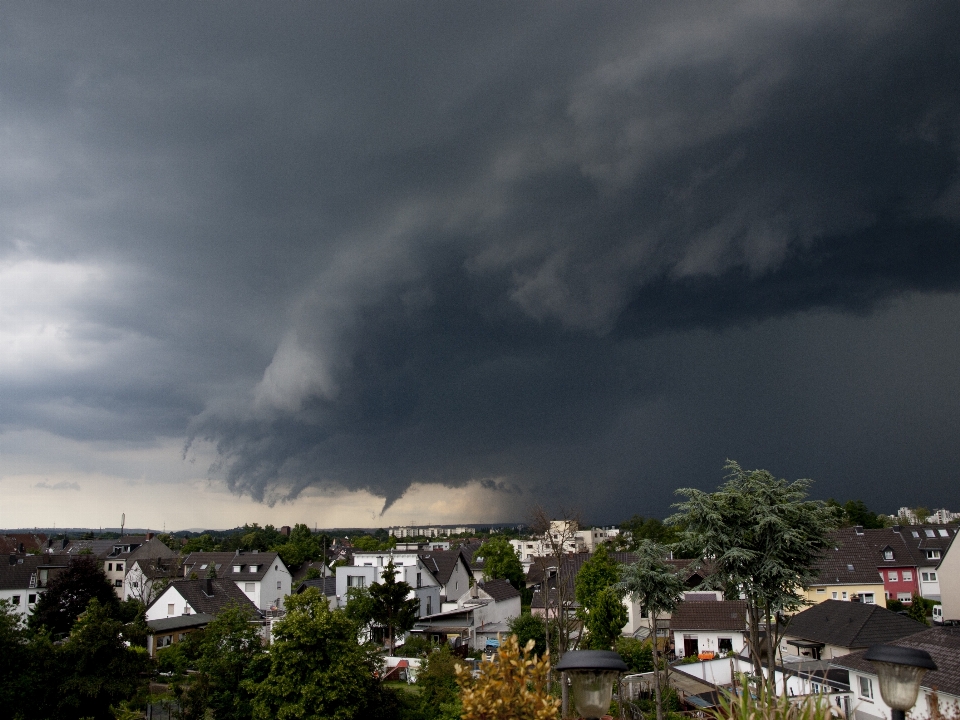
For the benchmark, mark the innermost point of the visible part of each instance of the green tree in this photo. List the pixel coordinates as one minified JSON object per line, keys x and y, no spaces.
{"x":856,"y":512}
{"x":637,"y":654}
{"x":652,"y":583}
{"x":15,"y":660}
{"x":526,"y":627}
{"x":69,"y":593}
{"x":918,"y":610}
{"x":601,"y":602}
{"x":99,"y":669}
{"x":763,"y":538}
{"x":500,"y":561}
{"x":390,"y":604}
{"x":230,"y":656}
{"x":437,"y":681}
{"x":638,"y":528}
{"x":200,"y":543}
{"x":317,"y":667}
{"x":605,"y":621}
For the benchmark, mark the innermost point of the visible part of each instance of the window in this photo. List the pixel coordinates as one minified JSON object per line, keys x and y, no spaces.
{"x":725,"y":644}
{"x":834,"y":595}
{"x":867,"y":598}
{"x":888,"y":554}
{"x":929,"y":577}
{"x":866,"y":687}
{"x":429,"y":605}
{"x":119,"y":567}
{"x":915,"y":534}
{"x":379,"y":561}
{"x":892,"y":575}
{"x":237,"y":568}
{"x":203,"y":567}
{"x":929,"y":532}
{"x":118,"y":583}
{"x":170,"y":609}
{"x":907,"y":575}
{"x":15,"y":600}
{"x":249,"y":587}
{"x":31,"y":599}
{"x":821,"y":590}
{"x":843,"y":596}
{"x":904,"y":597}
{"x":109,"y":567}
{"x":933,"y":554}
{"x":355,"y":581}
{"x":279,"y":586}
{"x":944,"y":533}
{"x":419,"y":580}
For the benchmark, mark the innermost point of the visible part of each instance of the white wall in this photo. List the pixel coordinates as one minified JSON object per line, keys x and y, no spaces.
{"x":160,"y":608}
{"x":877,"y":707}
{"x":708,"y":640}
{"x":23,"y":606}
{"x":273,"y":588}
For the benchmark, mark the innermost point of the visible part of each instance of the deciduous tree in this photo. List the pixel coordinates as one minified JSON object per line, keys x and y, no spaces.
{"x":317,"y":667}
{"x":500,"y":561}
{"x":69,"y":593}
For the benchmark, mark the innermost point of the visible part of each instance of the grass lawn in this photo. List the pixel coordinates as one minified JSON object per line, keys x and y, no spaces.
{"x":402,"y":686}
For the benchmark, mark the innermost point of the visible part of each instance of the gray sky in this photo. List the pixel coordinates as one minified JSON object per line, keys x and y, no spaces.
{"x":304,"y":262}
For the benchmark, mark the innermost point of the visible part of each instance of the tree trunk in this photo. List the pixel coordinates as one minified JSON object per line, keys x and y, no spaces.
{"x":755,"y":638}
{"x":656,"y":667}
{"x":771,"y":658}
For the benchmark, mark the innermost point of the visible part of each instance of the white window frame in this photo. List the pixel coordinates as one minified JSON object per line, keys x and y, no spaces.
{"x":867,"y":599}
{"x":865,"y":687}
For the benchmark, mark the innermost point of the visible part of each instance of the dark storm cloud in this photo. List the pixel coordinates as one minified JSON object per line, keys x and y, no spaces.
{"x":538,"y":247}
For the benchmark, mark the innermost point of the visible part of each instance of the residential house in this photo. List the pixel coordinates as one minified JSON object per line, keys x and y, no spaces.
{"x":847,"y":570}
{"x":948,"y":575}
{"x":595,"y":536}
{"x":327,"y":586}
{"x":301,"y":573}
{"x":117,"y":565}
{"x":709,"y":626}
{"x":367,"y":568}
{"x":23,"y":543}
{"x":23,"y":578}
{"x":943,"y":644}
{"x":261,"y":576}
{"x":834,"y":628}
{"x":207,"y":597}
{"x":168,"y":631}
{"x":479,"y":619}
{"x":469,"y":550}
{"x":147,"y":576}
{"x":116,"y":554}
{"x":451,"y":570}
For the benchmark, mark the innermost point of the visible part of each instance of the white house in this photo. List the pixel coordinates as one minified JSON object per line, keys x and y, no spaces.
{"x":705,"y":626}
{"x":261,"y":576}
{"x":943,"y":644}
{"x":192,"y":597}
{"x":23,"y":578}
{"x":368,"y":568}
{"x":480,"y":617}
{"x":451,"y":570}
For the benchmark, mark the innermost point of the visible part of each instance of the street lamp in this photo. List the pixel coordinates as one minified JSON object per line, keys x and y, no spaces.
{"x":592,"y":674}
{"x":899,"y":670}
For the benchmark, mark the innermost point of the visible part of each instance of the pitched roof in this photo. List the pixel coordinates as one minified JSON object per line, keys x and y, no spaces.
{"x":180,"y":622}
{"x":943,"y":644}
{"x":850,"y":624}
{"x":442,"y":563}
{"x":499,"y":590}
{"x":719,"y":615}
{"x":302,"y":571}
{"x":152,"y":548}
{"x":572,"y":562}
{"x":327,"y":586}
{"x":211,"y":595}
{"x":857,"y":553}
{"x":12,"y":542}
{"x":199,"y":563}
{"x":16,"y":573}
{"x":157,"y":567}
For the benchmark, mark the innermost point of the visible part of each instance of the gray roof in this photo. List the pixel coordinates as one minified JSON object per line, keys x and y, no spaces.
{"x":16,"y":570}
{"x":442,"y":563}
{"x":499,"y":590}
{"x":226,"y":561}
{"x":943,"y":644}
{"x":327,"y":585}
{"x":850,"y":624}
{"x":719,"y":615}
{"x":179,"y":623}
{"x":210,"y":596}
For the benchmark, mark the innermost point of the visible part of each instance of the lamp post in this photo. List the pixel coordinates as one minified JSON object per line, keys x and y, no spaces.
{"x":592,"y":674}
{"x":899,"y":671}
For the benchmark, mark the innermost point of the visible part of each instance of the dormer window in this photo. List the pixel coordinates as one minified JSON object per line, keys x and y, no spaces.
{"x":237,"y":568}
{"x":933,"y":554}
{"x":254,"y":568}
{"x":888,"y":554}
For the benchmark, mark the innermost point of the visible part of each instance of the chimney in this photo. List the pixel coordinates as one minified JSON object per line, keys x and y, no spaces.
{"x":13,"y":559}
{"x":149,"y":536}
{"x":285,"y":531}
{"x":896,"y":528}
{"x":208,"y":587}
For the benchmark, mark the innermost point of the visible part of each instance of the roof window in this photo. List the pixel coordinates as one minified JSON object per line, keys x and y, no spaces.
{"x":929,"y":532}
{"x":915,"y":533}
{"x":850,"y":568}
{"x":944,"y":533}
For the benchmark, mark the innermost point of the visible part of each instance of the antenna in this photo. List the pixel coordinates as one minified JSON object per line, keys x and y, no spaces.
{"x":123,"y":521}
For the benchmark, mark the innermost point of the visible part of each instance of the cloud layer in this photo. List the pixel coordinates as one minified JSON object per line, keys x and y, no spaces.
{"x":574,"y":256}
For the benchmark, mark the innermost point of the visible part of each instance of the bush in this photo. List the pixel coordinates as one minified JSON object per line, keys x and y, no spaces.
{"x":637,"y":654}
